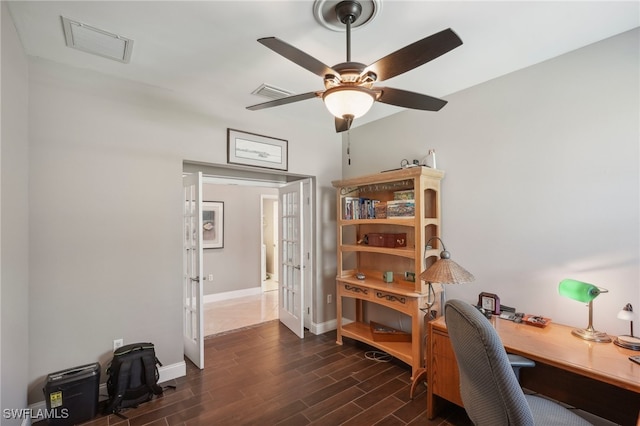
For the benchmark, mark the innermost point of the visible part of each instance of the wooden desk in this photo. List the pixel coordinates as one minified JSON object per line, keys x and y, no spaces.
{"x":595,"y":377}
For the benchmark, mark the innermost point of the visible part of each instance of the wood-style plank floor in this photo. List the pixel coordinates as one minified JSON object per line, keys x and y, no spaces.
{"x":265,"y":375}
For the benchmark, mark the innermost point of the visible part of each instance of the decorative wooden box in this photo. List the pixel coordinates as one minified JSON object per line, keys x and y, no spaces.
{"x":387,"y":240}
{"x":384,"y":333}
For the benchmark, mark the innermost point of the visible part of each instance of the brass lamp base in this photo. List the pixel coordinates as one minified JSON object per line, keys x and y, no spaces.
{"x":628,"y":342}
{"x":591,"y":335}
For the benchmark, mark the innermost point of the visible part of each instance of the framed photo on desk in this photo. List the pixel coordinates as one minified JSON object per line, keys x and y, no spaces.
{"x":489,"y":302}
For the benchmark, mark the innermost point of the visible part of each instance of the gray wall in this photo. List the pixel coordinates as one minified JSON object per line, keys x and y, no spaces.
{"x":237,"y":265}
{"x":106,"y":161}
{"x":14,"y":224}
{"x":541,"y":179}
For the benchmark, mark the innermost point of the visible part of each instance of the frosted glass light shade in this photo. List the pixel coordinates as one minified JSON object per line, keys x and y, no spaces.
{"x":577,"y":290}
{"x":626,"y":313}
{"x":348,"y":101}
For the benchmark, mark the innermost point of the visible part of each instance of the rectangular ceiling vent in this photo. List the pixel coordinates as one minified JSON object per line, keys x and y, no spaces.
{"x":271,"y":92}
{"x":96,"y":41}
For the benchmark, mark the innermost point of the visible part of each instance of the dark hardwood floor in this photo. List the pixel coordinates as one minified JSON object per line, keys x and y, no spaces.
{"x":265,"y":375}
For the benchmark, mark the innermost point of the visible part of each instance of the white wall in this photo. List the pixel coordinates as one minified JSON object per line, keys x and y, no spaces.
{"x":14,"y":225}
{"x":541,"y":179}
{"x":106,"y":161}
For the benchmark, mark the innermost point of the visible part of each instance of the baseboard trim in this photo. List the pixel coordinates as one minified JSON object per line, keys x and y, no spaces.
{"x":167,"y":372}
{"x":216,"y":297}
{"x":323,"y":327}
{"x":173,"y":371}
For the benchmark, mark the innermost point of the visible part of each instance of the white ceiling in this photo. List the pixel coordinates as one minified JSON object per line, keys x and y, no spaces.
{"x":205,"y":53}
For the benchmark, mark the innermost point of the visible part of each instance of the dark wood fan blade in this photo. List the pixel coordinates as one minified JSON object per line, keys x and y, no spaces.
{"x":284,"y":101}
{"x":405,"y":99}
{"x":342,"y":125}
{"x":415,"y":54}
{"x":297,"y":56}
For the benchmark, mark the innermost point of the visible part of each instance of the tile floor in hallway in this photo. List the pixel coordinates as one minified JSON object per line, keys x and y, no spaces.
{"x":231,"y":314}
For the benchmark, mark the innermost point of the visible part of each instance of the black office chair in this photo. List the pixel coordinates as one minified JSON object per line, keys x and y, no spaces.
{"x":488,"y":386}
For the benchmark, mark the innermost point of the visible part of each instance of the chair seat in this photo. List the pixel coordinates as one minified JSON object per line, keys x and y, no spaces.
{"x":549,"y":413}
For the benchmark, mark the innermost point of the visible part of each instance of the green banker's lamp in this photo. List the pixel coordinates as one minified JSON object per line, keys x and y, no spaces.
{"x":584,"y":292}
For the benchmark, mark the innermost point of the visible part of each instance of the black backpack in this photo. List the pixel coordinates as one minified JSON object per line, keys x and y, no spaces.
{"x":132,"y":376}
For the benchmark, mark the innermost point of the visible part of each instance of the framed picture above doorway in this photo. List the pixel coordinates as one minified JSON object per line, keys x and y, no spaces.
{"x":250,"y":149}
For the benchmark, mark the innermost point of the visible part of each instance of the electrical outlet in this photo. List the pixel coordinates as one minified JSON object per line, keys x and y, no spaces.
{"x":210,"y":277}
{"x":118,"y":343}
{"x":329,"y":298}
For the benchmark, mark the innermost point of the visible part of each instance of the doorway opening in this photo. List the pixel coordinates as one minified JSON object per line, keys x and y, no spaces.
{"x":251,"y":296}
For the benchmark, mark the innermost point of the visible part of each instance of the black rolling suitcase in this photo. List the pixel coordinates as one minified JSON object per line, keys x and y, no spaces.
{"x":72,"y":395}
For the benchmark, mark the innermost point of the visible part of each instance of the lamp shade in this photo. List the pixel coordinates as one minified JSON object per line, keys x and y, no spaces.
{"x":578,"y":290}
{"x":352,"y":101}
{"x":626,"y":313}
{"x":445,"y":270}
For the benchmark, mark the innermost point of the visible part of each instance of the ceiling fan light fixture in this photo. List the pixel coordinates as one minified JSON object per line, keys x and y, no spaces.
{"x":352,"y":101}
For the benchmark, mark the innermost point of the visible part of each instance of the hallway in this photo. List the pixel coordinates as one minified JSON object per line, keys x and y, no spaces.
{"x":240,"y":312}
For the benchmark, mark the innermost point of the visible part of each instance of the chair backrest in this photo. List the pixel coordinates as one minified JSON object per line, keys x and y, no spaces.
{"x":489,"y":389}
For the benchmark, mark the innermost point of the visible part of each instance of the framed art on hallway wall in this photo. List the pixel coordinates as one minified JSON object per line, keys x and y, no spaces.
{"x":212,"y":224}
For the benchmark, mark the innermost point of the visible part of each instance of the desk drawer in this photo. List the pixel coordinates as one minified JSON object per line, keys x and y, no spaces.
{"x":445,"y":376}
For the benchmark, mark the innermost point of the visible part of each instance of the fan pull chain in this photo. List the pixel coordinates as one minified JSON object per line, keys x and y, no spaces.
{"x":348,"y":147}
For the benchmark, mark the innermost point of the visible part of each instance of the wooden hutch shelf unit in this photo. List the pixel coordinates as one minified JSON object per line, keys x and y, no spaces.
{"x":355,"y":255}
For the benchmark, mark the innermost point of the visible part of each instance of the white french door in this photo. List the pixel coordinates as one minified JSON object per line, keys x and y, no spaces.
{"x":192,"y":270}
{"x":292,"y":259}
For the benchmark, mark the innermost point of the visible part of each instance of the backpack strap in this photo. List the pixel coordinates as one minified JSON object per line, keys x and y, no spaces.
{"x":151,"y":372}
{"x":123,"y":384}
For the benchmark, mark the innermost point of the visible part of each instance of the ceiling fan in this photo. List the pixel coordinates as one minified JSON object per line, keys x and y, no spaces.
{"x":349,"y":90}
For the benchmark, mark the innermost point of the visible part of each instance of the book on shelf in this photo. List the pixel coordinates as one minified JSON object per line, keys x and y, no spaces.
{"x":359,"y":208}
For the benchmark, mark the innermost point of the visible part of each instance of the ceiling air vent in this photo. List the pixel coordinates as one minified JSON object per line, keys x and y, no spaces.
{"x":271,"y":92}
{"x":94,"y":40}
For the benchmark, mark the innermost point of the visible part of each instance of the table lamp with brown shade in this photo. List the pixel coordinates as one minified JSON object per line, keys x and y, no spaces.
{"x":442,"y":271}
